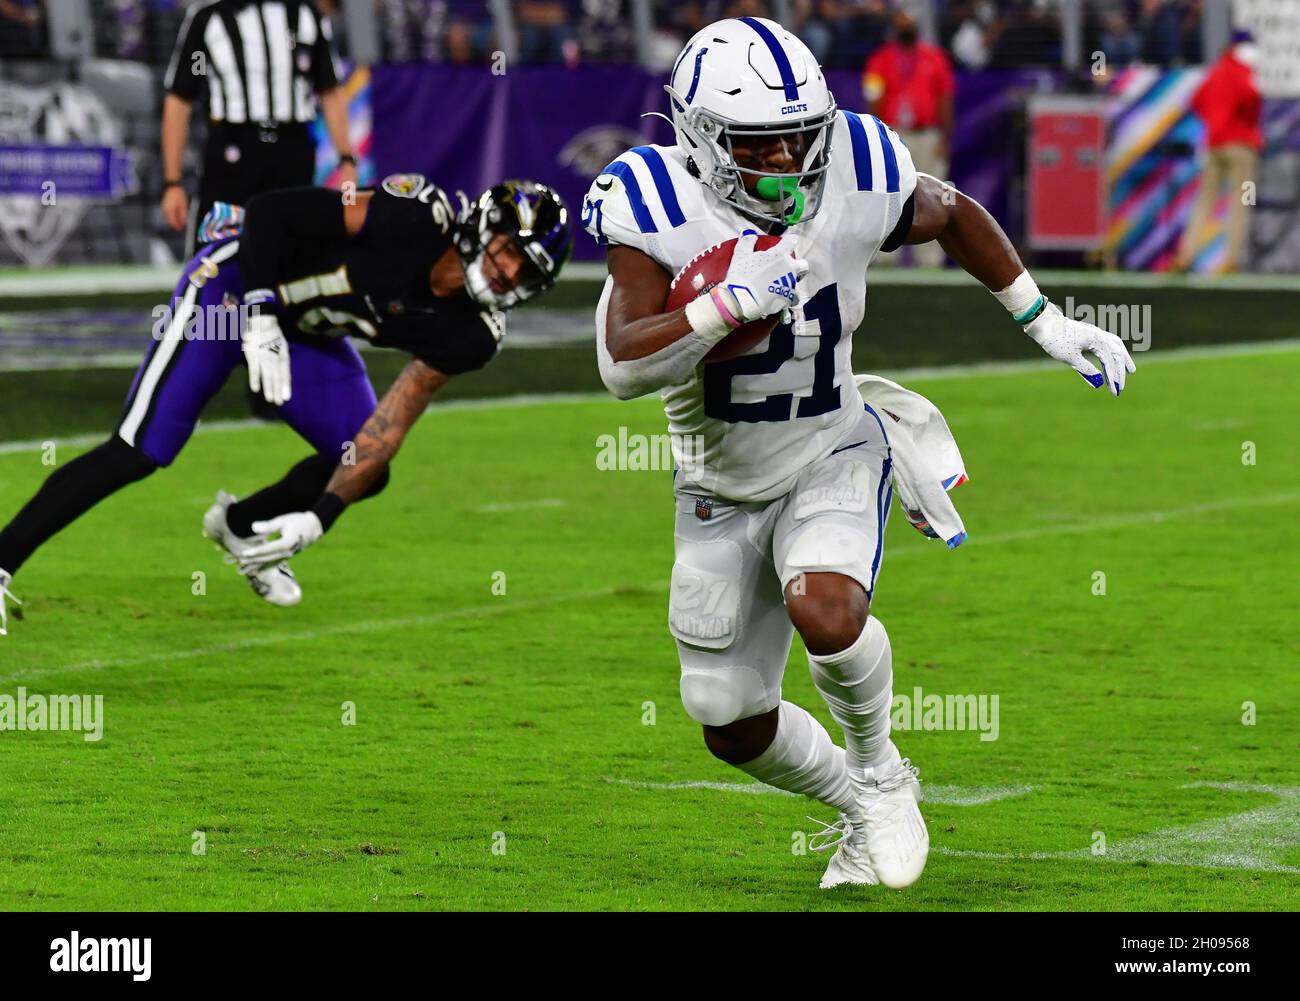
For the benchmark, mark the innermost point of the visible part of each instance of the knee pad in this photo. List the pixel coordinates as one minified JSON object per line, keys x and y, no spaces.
{"x":721,"y":695}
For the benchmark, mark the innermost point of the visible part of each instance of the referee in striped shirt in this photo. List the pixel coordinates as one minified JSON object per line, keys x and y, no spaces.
{"x":265,"y":63}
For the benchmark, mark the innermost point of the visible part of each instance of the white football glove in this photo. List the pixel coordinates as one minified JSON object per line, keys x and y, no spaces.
{"x":267,"y":354}
{"x":294,"y":533}
{"x":761,"y":282}
{"x":1066,"y":339}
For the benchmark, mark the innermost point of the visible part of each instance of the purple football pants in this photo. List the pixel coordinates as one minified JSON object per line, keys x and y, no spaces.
{"x":190,"y":360}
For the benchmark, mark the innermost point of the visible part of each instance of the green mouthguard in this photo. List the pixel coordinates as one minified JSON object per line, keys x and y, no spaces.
{"x":778,"y":189}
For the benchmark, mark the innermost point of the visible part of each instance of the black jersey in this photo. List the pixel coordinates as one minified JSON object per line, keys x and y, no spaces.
{"x":373,"y":286}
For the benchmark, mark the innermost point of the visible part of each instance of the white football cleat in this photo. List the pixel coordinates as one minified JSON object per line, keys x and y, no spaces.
{"x":849,"y":864}
{"x":5,"y":593}
{"x":894,"y":835}
{"x":273,"y":582}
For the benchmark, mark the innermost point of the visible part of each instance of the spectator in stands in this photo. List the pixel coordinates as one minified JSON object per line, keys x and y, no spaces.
{"x":1228,"y":102}
{"x":1162,"y":32}
{"x":469,"y":35}
{"x":20,"y":29}
{"x":606,"y":31}
{"x":1025,"y":36}
{"x":965,"y":32}
{"x":843,"y":32}
{"x":908,"y":84}
{"x":1119,"y":42}
{"x":546,"y":30}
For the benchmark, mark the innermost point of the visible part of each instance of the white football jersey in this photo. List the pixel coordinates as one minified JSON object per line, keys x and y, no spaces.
{"x":742,"y":429}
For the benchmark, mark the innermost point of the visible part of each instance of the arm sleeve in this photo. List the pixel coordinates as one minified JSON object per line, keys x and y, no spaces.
{"x":275,"y":222}
{"x":181,"y":79}
{"x":324,"y":60}
{"x":668,"y":366}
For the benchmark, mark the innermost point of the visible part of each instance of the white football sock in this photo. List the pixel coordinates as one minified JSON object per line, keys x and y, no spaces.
{"x":803,"y":759}
{"x":857,"y":685}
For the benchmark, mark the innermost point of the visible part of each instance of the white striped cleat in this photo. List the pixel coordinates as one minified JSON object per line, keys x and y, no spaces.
{"x":849,"y":865}
{"x":895,"y":838}
{"x":6,"y":595}
{"x":272,"y":582}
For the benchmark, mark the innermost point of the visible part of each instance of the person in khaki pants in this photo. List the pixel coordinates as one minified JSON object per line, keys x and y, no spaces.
{"x":1229,"y":103}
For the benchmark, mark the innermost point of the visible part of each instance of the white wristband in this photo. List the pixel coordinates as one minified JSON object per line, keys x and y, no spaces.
{"x":706,"y":319}
{"x":1021,"y":298}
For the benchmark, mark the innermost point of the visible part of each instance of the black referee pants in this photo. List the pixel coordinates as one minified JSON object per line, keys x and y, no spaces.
{"x":240,"y":161}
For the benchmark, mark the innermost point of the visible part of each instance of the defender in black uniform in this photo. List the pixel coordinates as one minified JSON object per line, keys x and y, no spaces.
{"x":401,"y":266}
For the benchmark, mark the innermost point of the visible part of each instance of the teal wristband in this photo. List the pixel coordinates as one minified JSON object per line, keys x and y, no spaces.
{"x":1031,"y":314}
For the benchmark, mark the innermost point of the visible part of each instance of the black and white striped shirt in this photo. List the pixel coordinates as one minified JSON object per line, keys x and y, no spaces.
{"x":263,"y":60}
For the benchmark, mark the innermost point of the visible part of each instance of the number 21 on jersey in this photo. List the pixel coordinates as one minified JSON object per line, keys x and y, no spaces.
{"x":824,"y":308}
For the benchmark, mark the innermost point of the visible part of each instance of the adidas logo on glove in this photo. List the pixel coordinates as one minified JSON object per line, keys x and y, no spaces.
{"x":784,"y":286}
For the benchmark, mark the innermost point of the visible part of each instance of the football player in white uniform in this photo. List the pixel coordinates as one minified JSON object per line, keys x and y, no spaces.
{"x":781,"y":512}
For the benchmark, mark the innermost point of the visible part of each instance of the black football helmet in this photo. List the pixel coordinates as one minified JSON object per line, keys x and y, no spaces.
{"x":535,"y":218}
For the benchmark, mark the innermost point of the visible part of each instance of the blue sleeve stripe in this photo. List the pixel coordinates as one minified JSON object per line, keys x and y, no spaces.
{"x":645,"y":222}
{"x":891,"y":160}
{"x":663,"y":183}
{"x":782,"y":60}
{"x":861,"y":150}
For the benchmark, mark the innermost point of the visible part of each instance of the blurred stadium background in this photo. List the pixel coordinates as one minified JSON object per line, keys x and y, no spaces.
{"x":1073,"y":123}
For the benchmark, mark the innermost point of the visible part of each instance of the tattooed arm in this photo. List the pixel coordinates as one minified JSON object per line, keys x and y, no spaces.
{"x":383,"y":434}
{"x":376,"y":444}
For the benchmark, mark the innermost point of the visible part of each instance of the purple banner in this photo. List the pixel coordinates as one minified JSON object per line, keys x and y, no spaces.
{"x":42,"y":169}
{"x":467,"y":128}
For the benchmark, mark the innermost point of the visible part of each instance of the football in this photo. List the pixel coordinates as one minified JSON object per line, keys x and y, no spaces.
{"x":700,"y":275}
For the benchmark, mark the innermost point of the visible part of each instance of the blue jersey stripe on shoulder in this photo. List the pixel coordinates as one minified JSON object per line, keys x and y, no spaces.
{"x":891,"y":160}
{"x":782,"y":60}
{"x":861,"y":150}
{"x":645,"y":222}
{"x":663,"y":183}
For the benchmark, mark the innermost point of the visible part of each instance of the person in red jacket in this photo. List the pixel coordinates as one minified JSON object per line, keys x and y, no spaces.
{"x":908,"y":84}
{"x":1228,"y":103}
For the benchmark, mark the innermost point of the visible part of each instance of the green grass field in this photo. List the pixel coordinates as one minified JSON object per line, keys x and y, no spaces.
{"x":519,"y":720}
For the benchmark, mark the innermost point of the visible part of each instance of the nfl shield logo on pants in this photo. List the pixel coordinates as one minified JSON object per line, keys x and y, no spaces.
{"x":703,"y":508}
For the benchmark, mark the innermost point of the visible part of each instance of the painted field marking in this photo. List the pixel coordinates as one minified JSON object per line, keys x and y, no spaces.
{"x":948,"y":795}
{"x":1250,"y":840}
{"x":973,"y":370}
{"x":523,"y":505}
{"x":475,"y":611}
{"x":1247,"y":840}
{"x":343,"y":629}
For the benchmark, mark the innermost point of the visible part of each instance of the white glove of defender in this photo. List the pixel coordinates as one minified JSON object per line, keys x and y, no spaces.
{"x":1066,"y":339}
{"x":267,"y":354}
{"x":296,"y":532}
{"x":759,"y":282}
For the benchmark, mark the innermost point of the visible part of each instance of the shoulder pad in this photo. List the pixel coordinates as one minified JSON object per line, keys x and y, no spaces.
{"x":640,"y":194}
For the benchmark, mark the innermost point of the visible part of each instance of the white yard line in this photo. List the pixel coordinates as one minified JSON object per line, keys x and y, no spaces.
{"x":1245,"y":840}
{"x":948,"y":795}
{"x":524,"y":505}
{"x":276,"y":637}
{"x":506,"y":605}
{"x":928,"y":373}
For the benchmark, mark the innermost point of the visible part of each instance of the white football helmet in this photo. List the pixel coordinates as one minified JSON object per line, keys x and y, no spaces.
{"x":749,"y":77}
